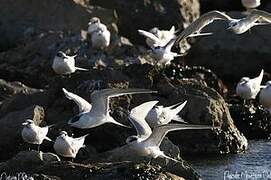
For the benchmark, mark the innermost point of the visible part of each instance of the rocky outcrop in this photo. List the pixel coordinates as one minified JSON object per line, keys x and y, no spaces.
{"x":163,"y":14}
{"x":232,"y":56}
{"x":49,"y":168}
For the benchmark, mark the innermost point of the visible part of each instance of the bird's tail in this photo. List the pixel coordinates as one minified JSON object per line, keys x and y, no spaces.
{"x":260,"y":77}
{"x":179,"y":119}
{"x":81,"y":69}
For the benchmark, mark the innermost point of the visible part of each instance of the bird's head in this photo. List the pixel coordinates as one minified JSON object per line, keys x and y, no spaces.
{"x":94,"y":20}
{"x":154,"y":31}
{"x":268,"y":84}
{"x":60,"y":54}
{"x":244,"y":80}
{"x":63,"y":134}
{"x":28,"y":123}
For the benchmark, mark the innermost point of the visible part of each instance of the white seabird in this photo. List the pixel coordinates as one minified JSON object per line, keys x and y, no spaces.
{"x":34,"y":134}
{"x":82,"y":104}
{"x":99,"y":113}
{"x":249,"y":88}
{"x":156,"y":37}
{"x":64,"y":64}
{"x":160,"y":115}
{"x":265,"y":96}
{"x":255,"y":18}
{"x":100,"y":35}
{"x":67,"y":146}
{"x":147,"y":142}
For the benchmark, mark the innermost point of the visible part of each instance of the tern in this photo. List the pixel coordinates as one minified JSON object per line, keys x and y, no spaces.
{"x":100,"y":112}
{"x":249,"y":88}
{"x":64,"y":64}
{"x":158,"y":37}
{"x":67,"y":146}
{"x":195,"y":28}
{"x":34,"y":134}
{"x":82,"y":104}
{"x":160,"y":115}
{"x":100,"y":35}
{"x":147,"y":142}
{"x":255,"y":18}
{"x":265,"y":96}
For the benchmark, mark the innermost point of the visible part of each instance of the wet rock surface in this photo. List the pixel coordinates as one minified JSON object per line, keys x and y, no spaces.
{"x":252,"y":120}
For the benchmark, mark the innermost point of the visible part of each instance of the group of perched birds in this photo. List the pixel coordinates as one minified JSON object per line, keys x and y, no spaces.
{"x":150,"y":121}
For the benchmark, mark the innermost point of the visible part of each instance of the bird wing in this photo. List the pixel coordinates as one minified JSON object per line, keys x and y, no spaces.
{"x":149,"y":35}
{"x":201,"y":22}
{"x":137,"y":118}
{"x":100,"y":99}
{"x":257,"y":14}
{"x":258,"y":80}
{"x":82,"y":104}
{"x":79,"y":142}
{"x":159,"y":132}
{"x":169,"y":45}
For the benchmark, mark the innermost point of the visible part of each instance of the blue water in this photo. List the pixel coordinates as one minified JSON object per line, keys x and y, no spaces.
{"x":254,"y":164}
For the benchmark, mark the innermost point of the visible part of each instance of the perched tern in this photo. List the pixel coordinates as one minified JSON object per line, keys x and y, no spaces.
{"x":163,"y":115}
{"x":147,"y":142}
{"x":67,"y":146}
{"x":163,"y":55}
{"x":265,"y":96}
{"x":99,"y":113}
{"x":249,"y":88}
{"x":34,"y":134}
{"x":256,"y":17}
{"x":158,"y":37}
{"x":251,"y":4}
{"x":82,"y":104}
{"x":64,"y":64}
{"x":194,"y":29}
{"x":100,"y":35}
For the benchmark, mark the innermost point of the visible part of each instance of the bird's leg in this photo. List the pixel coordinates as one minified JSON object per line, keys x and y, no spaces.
{"x":72,"y":160}
{"x":38,"y":147}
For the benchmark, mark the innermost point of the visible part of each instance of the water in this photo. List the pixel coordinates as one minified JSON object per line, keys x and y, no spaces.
{"x":255,"y":164}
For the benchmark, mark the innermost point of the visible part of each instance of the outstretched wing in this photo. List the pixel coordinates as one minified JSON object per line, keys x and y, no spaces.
{"x":137,"y":117}
{"x":201,"y":22}
{"x":159,"y":132}
{"x":82,"y":104}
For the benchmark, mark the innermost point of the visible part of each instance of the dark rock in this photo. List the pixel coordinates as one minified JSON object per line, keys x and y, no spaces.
{"x":68,"y":170}
{"x":133,"y":15}
{"x":11,"y":126}
{"x":27,"y":160}
{"x":252,"y":120}
{"x":232,"y":56}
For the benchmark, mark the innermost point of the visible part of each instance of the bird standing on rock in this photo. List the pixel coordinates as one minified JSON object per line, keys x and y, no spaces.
{"x":64,"y":64}
{"x":265,"y":96}
{"x":67,"y":146}
{"x":34,"y":134}
{"x":249,"y":88}
{"x":100,"y":35}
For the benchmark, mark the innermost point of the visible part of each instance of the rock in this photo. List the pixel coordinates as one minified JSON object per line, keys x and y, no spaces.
{"x":10,"y":129}
{"x":133,"y":15}
{"x":27,"y":160}
{"x":232,"y":56}
{"x":68,"y":170}
{"x":252,"y":120}
{"x":205,"y":106}
{"x":49,"y":15}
